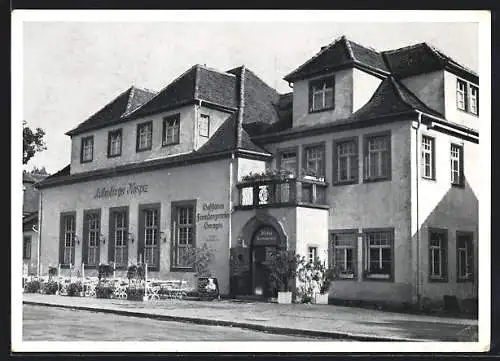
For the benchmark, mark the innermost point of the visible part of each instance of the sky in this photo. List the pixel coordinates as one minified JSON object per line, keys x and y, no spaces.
{"x":72,"y":68}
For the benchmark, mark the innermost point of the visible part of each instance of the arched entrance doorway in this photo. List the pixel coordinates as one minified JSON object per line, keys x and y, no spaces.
{"x":264,"y":242}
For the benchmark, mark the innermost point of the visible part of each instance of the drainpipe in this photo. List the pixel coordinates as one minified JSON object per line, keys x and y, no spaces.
{"x":417,"y":179}
{"x":231,"y":170}
{"x":38,"y":250}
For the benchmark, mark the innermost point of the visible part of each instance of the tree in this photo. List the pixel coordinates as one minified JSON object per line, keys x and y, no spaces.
{"x":32,"y":142}
{"x":39,"y":171}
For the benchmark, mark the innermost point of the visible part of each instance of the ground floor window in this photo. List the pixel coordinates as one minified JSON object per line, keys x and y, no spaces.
{"x":183,"y":233}
{"x":379,"y":254}
{"x":344,"y":255}
{"x":118,"y":239}
{"x":27,"y":247}
{"x":91,"y":237}
{"x":438,"y":250}
{"x":312,"y":254}
{"x":67,"y":239}
{"x":465,"y":257}
{"x":149,"y":235}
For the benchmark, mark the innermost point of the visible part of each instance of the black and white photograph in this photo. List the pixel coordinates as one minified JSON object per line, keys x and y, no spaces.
{"x":251,"y":181}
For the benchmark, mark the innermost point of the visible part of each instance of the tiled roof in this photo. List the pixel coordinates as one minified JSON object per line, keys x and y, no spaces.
{"x":391,"y":97}
{"x":197,"y":83}
{"x":422,"y":58}
{"x":120,"y":106}
{"x":341,"y":52}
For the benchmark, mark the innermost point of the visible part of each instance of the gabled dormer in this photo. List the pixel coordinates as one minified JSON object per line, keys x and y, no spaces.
{"x":335,"y":83}
{"x":437,"y":80}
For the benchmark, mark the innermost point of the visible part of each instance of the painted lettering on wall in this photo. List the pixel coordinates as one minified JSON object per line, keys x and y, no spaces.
{"x":128,"y":189}
{"x":211,"y":218}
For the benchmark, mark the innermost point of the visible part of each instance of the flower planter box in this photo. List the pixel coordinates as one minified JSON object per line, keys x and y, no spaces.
{"x":321,"y":299}
{"x":285,"y":297}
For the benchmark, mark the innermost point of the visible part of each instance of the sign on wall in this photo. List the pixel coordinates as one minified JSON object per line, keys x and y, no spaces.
{"x":130,"y":189}
{"x":211,"y":215}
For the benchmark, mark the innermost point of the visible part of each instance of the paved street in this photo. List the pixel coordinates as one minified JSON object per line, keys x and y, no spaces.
{"x":41,"y":323}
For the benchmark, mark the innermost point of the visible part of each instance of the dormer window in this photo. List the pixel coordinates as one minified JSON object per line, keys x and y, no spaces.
{"x":144,"y":136}
{"x":87,"y":150}
{"x":321,"y":94}
{"x":115,"y":143}
{"x":171,"y":129}
{"x":467,"y":97}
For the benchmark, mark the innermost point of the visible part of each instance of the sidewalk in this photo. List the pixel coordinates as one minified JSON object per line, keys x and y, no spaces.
{"x":329,"y":321}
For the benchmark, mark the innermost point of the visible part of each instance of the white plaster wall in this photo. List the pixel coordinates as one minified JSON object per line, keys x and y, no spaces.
{"x":31,"y":263}
{"x":364,"y":85}
{"x":429,"y":88}
{"x":205,"y":182}
{"x":217,"y":117}
{"x":247,"y":166}
{"x":343,"y":100}
{"x":452,"y":112}
{"x":312,"y":231}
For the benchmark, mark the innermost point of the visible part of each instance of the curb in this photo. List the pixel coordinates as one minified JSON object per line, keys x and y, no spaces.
{"x":251,"y":326}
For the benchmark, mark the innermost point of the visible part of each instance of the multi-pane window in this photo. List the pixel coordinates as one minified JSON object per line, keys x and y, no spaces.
{"x":465,"y":257}
{"x":68,"y":239}
{"x":204,"y":125}
{"x":347,"y":161}
{"x":27,"y":247}
{"x":312,"y":254}
{"x":456,"y":166}
{"x":315,"y":160}
{"x":288,"y":161}
{"x":151,"y":233}
{"x":377,"y":163}
{"x":92,"y":230}
{"x":467,"y":97}
{"x":115,"y":143}
{"x":171,"y":129}
{"x":87,"y":149}
{"x":379,"y":254}
{"x":474,"y":99}
{"x":427,"y":157}
{"x":438,"y":255}
{"x":321,"y":94}
{"x":461,"y":94}
{"x":183,"y":239}
{"x":120,"y":236}
{"x":144,"y":136}
{"x":344,"y":256}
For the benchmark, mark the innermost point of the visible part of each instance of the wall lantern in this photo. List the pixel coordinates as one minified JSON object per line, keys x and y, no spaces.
{"x":102,"y":238}
{"x":163,"y":237}
{"x":131,"y":237}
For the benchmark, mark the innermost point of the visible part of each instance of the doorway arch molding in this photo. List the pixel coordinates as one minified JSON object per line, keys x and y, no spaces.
{"x":262,"y":220}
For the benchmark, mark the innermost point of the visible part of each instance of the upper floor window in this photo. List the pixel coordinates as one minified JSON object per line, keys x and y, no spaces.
{"x":456,"y":159}
{"x":87,"y":149}
{"x":346,"y":161}
{"x":288,"y":160}
{"x":474,"y":100}
{"x":428,"y":157}
{"x":144,"y":136}
{"x":115,"y":143}
{"x":314,"y":160}
{"x":321,"y":94}
{"x":204,"y":125}
{"x":171,"y":129}
{"x":467,"y":97}
{"x":377,"y":164}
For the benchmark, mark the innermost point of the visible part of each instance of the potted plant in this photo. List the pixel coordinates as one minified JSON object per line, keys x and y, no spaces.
{"x":312,"y":174}
{"x":281,"y":266}
{"x":136,"y":286}
{"x":200,"y":258}
{"x":328,"y":275}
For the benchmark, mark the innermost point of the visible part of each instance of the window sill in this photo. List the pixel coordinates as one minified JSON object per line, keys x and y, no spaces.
{"x":378,"y":277}
{"x":468,"y":112}
{"x":90,"y":266}
{"x":181,"y":269}
{"x":346,"y":182}
{"x":438,"y":280}
{"x":431,"y":179}
{"x":82,"y":161}
{"x":137,"y":150}
{"x":114,"y":155}
{"x":374,"y":180}
{"x":347,"y":277}
{"x":169,"y":144}
{"x":311,"y":111}
{"x":457,"y":185}
{"x":465,"y":280}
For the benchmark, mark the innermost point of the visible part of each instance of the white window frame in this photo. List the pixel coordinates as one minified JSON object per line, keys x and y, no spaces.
{"x":340,"y":243}
{"x":115,"y":143}
{"x":172,"y":129}
{"x":69,"y":238}
{"x":120,"y":237}
{"x":204,"y":126}
{"x":463,"y":274}
{"x":315,"y":154}
{"x":348,"y":151}
{"x":93,"y":239}
{"x":285,"y":160}
{"x":462,"y":94}
{"x":428,"y":150}
{"x":151,"y":232}
{"x":376,"y":153}
{"x":456,"y":154}
{"x":312,"y":253}
{"x":324,"y":92}
{"x":386,"y":243}
{"x":184,"y":228}
{"x":474,"y":99}
{"x":145,"y":136}
{"x":87,"y":149}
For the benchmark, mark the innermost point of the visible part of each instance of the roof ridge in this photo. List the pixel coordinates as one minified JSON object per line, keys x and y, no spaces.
{"x":215,"y":70}
{"x":403,"y":48}
{"x":398,"y":91}
{"x":323,"y":49}
{"x":239,"y":119}
{"x":163,"y":89}
{"x":446,"y":58}
{"x":349,"y":49}
{"x":129,"y":101}
{"x":399,"y":85}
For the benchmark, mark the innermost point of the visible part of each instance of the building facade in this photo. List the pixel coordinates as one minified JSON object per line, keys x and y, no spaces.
{"x":369,"y":164}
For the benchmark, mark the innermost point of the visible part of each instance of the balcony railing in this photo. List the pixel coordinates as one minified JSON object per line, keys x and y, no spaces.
{"x":282,"y":192}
